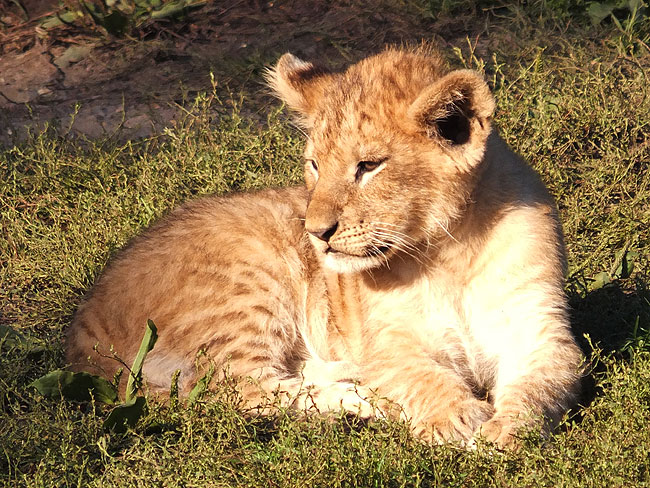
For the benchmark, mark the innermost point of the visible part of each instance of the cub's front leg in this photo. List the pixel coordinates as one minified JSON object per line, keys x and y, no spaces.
{"x":434,"y":398}
{"x":536,"y":380}
{"x":522,"y":326}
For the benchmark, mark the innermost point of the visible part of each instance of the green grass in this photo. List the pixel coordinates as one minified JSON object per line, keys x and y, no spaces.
{"x":578,"y":110}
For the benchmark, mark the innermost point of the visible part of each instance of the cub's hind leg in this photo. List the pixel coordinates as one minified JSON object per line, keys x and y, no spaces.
{"x":263,"y":350}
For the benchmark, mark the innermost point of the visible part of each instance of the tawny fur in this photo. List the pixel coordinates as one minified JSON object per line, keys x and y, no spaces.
{"x":424,"y":260}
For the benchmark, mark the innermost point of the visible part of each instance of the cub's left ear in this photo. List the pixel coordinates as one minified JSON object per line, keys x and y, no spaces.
{"x":299,"y":84}
{"x":455,"y":110}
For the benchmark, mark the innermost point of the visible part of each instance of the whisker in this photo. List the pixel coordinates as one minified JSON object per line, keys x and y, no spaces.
{"x":428,"y":243}
{"x":381,"y":253}
{"x":444,"y":229}
{"x":386,"y":240}
{"x":404,"y":249}
{"x":396,"y":238}
{"x":400,"y":238}
{"x":300,"y":129}
{"x":404,"y":242}
{"x":371,"y":275}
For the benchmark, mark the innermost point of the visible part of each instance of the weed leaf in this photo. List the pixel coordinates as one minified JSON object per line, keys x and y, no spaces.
{"x":600,"y":280}
{"x":201,"y":387}
{"x":626,"y":266}
{"x":174,"y":8}
{"x":135,"y":377}
{"x":80,"y":387}
{"x":598,"y":12}
{"x":59,"y":19}
{"x":126,"y":415}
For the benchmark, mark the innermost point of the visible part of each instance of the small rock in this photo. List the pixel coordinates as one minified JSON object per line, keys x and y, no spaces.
{"x":137,"y":121}
{"x":140,"y":126}
{"x":88,"y":125}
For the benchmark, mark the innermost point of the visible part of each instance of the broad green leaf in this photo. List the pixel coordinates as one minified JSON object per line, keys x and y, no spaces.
{"x":633,"y":5}
{"x":60,"y":19}
{"x":171,"y":9}
{"x":81,"y":387}
{"x":126,"y":415}
{"x":625,"y":268}
{"x":598,"y":12}
{"x":135,"y":377}
{"x":600,"y":280}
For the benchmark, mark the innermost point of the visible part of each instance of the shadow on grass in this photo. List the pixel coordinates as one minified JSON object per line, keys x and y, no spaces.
{"x":609,"y":320}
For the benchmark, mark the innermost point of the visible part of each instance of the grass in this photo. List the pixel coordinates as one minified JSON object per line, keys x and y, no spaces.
{"x":573,"y":102}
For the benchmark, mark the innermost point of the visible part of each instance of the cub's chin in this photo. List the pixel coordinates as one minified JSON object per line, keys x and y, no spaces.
{"x":347,"y":263}
{"x":341,"y":262}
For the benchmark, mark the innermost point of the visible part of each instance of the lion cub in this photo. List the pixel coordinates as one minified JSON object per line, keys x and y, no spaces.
{"x":422,"y":263}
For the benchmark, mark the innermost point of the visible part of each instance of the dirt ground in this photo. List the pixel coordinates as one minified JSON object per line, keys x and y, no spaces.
{"x":132,"y":86}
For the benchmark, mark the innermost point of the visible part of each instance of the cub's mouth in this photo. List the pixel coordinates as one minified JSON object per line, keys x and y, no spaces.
{"x":372,"y":251}
{"x":344,"y":262}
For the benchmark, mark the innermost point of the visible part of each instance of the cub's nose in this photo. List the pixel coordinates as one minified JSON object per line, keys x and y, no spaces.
{"x":324,"y":234}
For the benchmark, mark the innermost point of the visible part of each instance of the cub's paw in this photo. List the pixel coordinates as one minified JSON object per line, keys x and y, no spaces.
{"x":323,"y":372}
{"x":501,"y":430}
{"x":341,"y":395}
{"x":456,"y":422}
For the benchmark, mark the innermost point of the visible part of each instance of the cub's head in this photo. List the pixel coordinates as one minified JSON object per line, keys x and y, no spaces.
{"x":394,"y":143}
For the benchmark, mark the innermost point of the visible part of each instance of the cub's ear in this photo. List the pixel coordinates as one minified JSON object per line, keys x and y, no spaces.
{"x":455,"y":110}
{"x":299,"y":84}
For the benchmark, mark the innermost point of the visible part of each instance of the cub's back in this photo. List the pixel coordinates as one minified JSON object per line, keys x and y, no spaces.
{"x":193,"y":274}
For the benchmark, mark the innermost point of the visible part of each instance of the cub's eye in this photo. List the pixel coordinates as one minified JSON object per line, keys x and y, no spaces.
{"x":313,"y":164}
{"x":364,"y":167}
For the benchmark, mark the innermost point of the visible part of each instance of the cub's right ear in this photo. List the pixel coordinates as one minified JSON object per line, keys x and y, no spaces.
{"x":299,"y":84}
{"x":455,"y":110}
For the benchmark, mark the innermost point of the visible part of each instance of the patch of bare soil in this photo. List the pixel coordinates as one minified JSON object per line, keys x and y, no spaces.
{"x":132,"y":86}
